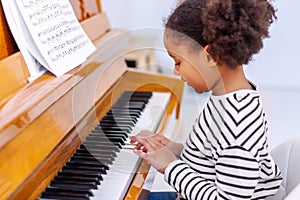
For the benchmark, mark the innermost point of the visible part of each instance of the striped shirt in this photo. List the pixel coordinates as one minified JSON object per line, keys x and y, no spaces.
{"x":226,"y":154}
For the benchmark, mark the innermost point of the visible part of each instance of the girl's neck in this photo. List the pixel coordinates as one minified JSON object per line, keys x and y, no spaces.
{"x":230,"y":80}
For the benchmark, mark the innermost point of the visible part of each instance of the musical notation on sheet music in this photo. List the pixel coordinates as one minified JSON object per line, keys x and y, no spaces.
{"x":56,"y":33}
{"x":50,"y":32}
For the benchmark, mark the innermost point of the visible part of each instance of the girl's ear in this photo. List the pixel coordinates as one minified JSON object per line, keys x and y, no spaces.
{"x":210,"y":61}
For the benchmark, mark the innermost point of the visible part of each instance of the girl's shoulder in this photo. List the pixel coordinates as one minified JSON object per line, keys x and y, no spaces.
{"x":237,"y":103}
{"x":239,"y":96}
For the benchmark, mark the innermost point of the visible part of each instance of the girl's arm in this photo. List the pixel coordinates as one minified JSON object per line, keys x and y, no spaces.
{"x":237,"y":174}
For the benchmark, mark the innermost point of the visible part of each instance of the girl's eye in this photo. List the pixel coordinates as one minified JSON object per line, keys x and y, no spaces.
{"x":177,"y":63}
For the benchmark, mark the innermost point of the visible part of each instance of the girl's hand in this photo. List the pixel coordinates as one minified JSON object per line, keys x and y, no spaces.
{"x":157,"y":154}
{"x":174,"y":147}
{"x":145,"y":135}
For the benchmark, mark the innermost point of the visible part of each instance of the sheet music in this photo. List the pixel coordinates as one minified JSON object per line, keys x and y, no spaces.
{"x":14,"y":21}
{"x":52,"y":33}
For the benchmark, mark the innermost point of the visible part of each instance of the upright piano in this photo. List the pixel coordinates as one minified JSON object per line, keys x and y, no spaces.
{"x":49,"y":125}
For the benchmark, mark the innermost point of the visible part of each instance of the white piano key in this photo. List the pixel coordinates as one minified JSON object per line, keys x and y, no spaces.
{"x":120,"y":174}
{"x":152,"y":113}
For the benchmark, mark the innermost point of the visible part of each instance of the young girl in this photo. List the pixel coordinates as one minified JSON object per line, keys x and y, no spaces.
{"x":226,"y":154}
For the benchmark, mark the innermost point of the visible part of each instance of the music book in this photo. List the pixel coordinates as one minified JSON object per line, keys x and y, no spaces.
{"x":48,"y":35}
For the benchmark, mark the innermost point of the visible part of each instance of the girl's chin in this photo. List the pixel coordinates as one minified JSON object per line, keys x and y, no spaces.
{"x":198,"y":90}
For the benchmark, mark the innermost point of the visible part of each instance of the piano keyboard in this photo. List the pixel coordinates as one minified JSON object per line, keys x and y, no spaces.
{"x":104,"y":165}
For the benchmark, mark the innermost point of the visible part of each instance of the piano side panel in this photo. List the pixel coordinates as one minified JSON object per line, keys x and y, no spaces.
{"x":8,"y":45}
{"x":14,"y":76}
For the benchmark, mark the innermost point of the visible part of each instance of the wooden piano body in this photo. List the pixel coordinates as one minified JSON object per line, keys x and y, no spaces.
{"x":43,"y":122}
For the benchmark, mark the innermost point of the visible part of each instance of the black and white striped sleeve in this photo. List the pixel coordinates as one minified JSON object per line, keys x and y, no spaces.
{"x":237,"y":174}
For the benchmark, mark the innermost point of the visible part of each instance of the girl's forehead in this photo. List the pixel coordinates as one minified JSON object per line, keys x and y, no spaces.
{"x":180,"y":51}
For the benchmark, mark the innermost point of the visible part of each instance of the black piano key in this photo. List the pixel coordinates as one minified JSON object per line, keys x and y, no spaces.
{"x":89,"y":162}
{"x":100,"y":143}
{"x":114,"y":138}
{"x":140,"y":93}
{"x":121,"y":116}
{"x":124,"y":118}
{"x":107,"y":128}
{"x":118,"y":122}
{"x":80,"y":174}
{"x":93,"y":156}
{"x":96,"y":161}
{"x":110,"y":147}
{"x":85,"y":164}
{"x":117,"y":140}
{"x":129,"y":108}
{"x":112,"y":126}
{"x":106,"y":138}
{"x":96,"y":152}
{"x":104,"y":160}
{"x":77,"y":180}
{"x":134,"y":102}
{"x":117,"y":135}
{"x":100,"y":132}
{"x":122,"y":126}
{"x":82,"y":169}
{"x":123,"y":113}
{"x":111,"y":137}
{"x":72,"y":184}
{"x":96,"y":180}
{"x":103,"y":144}
{"x":99,"y":157}
{"x":128,"y":105}
{"x":48,"y":196}
{"x":132,"y":94}
{"x":128,"y":122}
{"x":68,"y":192}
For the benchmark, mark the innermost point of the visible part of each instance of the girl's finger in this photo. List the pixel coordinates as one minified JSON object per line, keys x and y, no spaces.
{"x":154,"y":144}
{"x":139,"y":146}
{"x":140,"y":153}
{"x":132,"y":139}
{"x":143,"y":143}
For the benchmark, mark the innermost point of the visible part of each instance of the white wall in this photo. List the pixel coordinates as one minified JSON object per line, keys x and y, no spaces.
{"x":277,"y":64}
{"x":133,"y":14}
